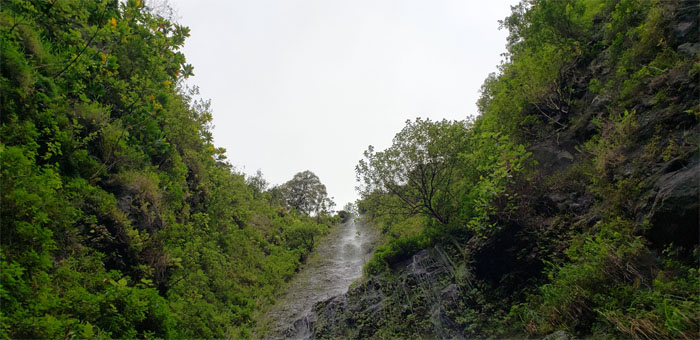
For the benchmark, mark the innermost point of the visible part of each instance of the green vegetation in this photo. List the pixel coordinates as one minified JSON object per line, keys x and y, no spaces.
{"x":571,"y":202}
{"x":306,"y":193}
{"x":120,"y":219}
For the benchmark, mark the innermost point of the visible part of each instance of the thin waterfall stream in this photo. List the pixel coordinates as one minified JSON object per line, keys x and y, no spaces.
{"x":328,"y":272}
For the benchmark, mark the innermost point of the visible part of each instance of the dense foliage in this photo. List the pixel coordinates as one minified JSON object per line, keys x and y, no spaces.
{"x":120,"y":218}
{"x":306,"y":193}
{"x":572,"y":200}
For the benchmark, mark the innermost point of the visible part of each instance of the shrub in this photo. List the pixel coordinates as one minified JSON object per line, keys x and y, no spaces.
{"x":395,"y":251}
{"x":612,"y":285}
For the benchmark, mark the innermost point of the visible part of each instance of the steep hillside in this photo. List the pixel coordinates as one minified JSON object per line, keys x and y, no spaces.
{"x":568,"y":207}
{"x":120,"y":218}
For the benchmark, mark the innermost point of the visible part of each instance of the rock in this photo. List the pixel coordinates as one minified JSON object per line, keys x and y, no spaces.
{"x":690,"y":49}
{"x":551,"y":157}
{"x":684,"y":29}
{"x":557,"y":197}
{"x":422,"y":287}
{"x":328,"y":316}
{"x":600,"y":102}
{"x":558,"y":200}
{"x":559,"y":335}
{"x":450,"y":293}
{"x":331,"y":306}
{"x":299,"y":330}
{"x":674,"y":213}
{"x":576,"y":202}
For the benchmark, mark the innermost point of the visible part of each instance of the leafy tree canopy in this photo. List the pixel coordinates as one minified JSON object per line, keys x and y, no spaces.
{"x":307,"y":194}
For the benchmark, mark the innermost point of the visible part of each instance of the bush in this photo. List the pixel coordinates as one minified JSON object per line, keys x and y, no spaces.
{"x":395,"y":251}
{"x":612,"y":286}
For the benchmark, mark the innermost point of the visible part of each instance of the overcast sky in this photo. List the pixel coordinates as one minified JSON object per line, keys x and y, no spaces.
{"x":308,"y":85}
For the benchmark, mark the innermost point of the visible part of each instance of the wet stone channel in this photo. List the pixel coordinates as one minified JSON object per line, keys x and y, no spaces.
{"x":328,"y":272}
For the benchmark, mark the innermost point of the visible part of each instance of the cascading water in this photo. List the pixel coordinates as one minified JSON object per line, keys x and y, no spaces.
{"x":328,"y":272}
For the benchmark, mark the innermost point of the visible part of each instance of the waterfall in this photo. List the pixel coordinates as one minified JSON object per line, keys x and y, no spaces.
{"x":329,"y":271}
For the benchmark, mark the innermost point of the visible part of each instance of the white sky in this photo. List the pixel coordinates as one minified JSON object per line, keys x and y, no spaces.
{"x":308,"y":85}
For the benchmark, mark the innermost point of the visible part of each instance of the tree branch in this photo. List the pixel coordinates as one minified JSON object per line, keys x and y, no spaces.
{"x":79,"y":55}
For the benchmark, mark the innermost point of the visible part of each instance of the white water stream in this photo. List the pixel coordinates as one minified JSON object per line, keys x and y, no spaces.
{"x":328,"y":272}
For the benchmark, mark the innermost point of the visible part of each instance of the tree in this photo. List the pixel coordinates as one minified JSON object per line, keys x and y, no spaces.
{"x":257,"y":182}
{"x":350,"y":207}
{"x":349,"y":211}
{"x":303,"y":235}
{"x":419,"y":171}
{"x":306,"y":193}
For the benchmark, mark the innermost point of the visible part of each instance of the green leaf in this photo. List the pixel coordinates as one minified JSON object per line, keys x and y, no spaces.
{"x":88,"y":331}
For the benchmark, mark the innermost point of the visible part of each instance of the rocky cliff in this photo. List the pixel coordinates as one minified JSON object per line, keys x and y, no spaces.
{"x":606,"y":236}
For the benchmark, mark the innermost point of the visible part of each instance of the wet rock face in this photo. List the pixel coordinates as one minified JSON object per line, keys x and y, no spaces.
{"x":557,"y":157}
{"x":326,"y":275}
{"x":676,"y":208}
{"x":559,"y":335}
{"x":420,"y":297}
{"x":690,"y":49}
{"x":299,"y":329}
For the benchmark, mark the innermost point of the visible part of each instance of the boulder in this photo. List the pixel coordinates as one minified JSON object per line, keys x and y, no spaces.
{"x":551,"y":157}
{"x":675,"y":212}
{"x":690,"y":49}
{"x":559,"y":335}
